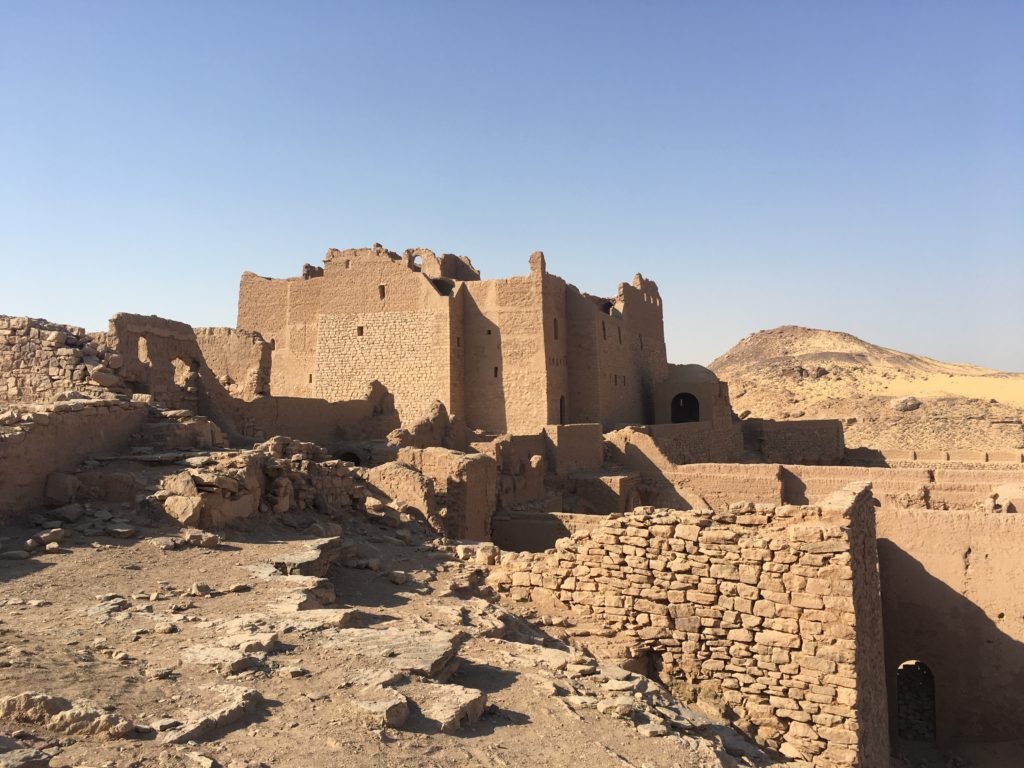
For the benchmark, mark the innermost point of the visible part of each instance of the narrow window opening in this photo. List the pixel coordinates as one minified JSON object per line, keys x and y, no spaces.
{"x":620,"y":334}
{"x":604,"y":331}
{"x":359,"y":330}
{"x":458,"y":341}
{"x":488,"y":331}
{"x":347,"y":263}
{"x":556,"y":329}
{"x":311,"y":378}
{"x":381,"y":290}
{"x":495,"y":371}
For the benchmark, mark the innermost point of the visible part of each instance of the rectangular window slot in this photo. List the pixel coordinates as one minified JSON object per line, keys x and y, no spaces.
{"x":359,"y":330}
{"x":556,"y":329}
{"x":381,"y":290}
{"x":311,"y":378}
{"x":495,"y":371}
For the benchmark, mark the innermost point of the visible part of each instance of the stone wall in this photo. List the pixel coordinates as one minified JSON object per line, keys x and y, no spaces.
{"x":773,"y":612}
{"x":818,"y":441}
{"x":40,"y":360}
{"x":56,"y":438}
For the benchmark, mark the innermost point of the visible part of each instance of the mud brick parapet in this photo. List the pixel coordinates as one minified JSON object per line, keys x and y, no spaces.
{"x":773,"y":612}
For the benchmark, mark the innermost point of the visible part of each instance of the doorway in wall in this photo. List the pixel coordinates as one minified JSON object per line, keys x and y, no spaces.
{"x":915,"y":702}
{"x":685,"y":408}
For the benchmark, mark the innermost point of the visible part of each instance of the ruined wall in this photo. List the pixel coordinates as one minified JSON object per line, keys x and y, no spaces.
{"x":39,"y":361}
{"x":818,"y":441}
{"x":465,"y":486}
{"x":221,"y":372}
{"x":952,"y":599}
{"x":58,"y":438}
{"x":774,"y":614}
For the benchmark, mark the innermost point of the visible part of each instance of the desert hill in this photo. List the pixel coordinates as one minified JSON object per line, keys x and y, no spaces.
{"x":886,"y":398}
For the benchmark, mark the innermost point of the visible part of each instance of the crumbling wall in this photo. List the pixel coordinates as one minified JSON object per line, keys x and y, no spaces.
{"x":817,"y":441}
{"x":773,"y":613}
{"x":222,"y":373}
{"x":40,"y":360}
{"x":277,"y":477}
{"x":465,"y":488}
{"x":58,"y":437}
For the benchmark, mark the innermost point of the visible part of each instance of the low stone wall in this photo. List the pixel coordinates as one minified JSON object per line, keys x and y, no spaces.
{"x":715,"y":486}
{"x":894,"y":457}
{"x":818,"y":441}
{"x":773,"y":611}
{"x":666,"y":445}
{"x":58,"y":438}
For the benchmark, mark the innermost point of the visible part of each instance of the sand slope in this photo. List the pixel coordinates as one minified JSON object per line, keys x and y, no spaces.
{"x":792,"y":372}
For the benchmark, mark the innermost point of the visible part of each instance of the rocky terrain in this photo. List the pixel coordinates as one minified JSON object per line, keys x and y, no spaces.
{"x":353,"y":635}
{"x":887,"y":399}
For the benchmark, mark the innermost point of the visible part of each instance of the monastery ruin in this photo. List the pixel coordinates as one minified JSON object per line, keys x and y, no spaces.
{"x":826,"y":604}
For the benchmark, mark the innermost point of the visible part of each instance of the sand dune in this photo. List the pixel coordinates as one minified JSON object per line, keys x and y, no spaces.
{"x":804,"y":373}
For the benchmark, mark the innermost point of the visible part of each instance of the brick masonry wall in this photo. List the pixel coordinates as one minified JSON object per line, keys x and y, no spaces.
{"x":407,"y":352}
{"x":40,"y":360}
{"x":773,"y":610}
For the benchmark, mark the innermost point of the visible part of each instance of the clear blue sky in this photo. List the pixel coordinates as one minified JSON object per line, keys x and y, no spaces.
{"x":854,"y":166}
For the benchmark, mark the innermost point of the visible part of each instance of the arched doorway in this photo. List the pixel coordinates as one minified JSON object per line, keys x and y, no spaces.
{"x":685,"y":408}
{"x":561,"y":410}
{"x":915,"y":702}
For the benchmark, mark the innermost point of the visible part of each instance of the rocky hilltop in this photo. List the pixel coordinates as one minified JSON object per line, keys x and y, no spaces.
{"x":886,"y":398}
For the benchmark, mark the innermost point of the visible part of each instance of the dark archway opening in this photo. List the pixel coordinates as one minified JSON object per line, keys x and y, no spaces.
{"x":685,"y":408}
{"x":350,"y":457}
{"x":915,"y":702}
{"x":561,"y":410}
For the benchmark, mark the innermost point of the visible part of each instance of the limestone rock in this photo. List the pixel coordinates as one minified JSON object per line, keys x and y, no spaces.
{"x":452,"y":706}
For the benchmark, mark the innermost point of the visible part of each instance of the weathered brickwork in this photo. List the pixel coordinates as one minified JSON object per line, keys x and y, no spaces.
{"x":774,"y":610}
{"x":393,"y":348}
{"x":40,"y":360}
